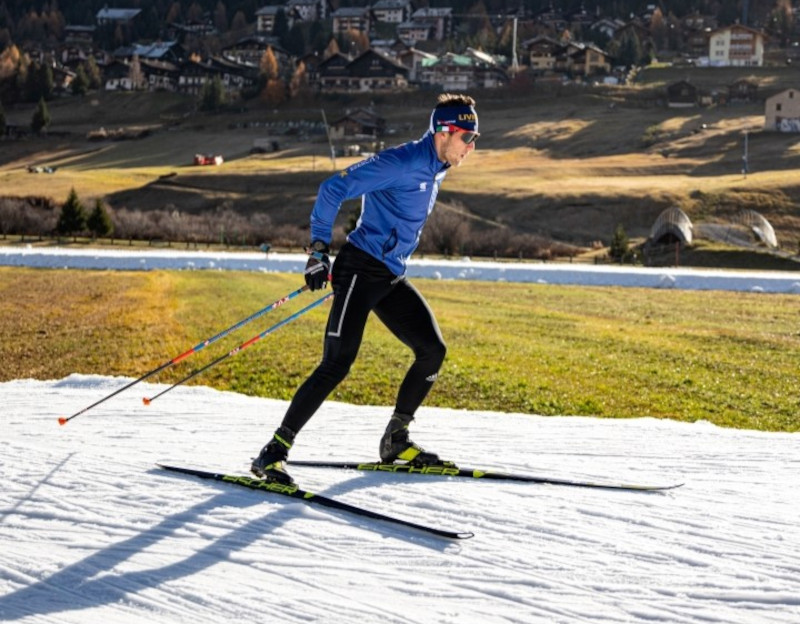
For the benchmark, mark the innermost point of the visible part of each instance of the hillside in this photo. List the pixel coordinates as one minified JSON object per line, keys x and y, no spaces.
{"x":568,"y":165}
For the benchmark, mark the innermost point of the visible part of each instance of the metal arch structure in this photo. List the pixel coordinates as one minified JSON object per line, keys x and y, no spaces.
{"x":761,"y":228}
{"x":671,"y":225}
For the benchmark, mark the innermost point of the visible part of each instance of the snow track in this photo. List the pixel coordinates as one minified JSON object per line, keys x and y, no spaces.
{"x":91,"y":531}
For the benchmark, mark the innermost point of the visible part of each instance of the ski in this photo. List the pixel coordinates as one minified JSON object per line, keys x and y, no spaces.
{"x":473,"y":473}
{"x":292,"y":491}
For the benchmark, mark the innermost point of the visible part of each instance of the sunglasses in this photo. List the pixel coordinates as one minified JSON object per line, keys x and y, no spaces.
{"x":466,"y":136}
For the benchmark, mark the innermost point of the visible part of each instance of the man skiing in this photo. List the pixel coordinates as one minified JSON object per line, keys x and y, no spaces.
{"x":398,"y":187}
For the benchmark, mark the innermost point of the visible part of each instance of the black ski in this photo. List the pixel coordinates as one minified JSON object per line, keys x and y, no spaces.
{"x":473,"y":473}
{"x":292,"y":491}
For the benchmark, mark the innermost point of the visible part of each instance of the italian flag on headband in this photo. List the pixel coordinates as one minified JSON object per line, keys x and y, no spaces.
{"x":463,"y":117}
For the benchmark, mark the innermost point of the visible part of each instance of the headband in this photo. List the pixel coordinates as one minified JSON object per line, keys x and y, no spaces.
{"x":463,"y":117}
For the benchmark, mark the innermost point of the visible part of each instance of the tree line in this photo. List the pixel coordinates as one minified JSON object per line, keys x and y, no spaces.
{"x":446,"y":233}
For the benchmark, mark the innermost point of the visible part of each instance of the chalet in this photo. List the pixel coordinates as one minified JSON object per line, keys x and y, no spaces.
{"x":681,"y":94}
{"x":412,"y":59}
{"x":265,"y":19}
{"x":72,"y":56}
{"x":160,"y":75}
{"x":311,"y":62}
{"x":62,"y":78}
{"x":461,"y":72}
{"x":782,"y":111}
{"x":696,"y":30}
{"x":542,"y":53}
{"x":308,"y":10}
{"x":81,"y":36}
{"x":546,"y":55}
{"x":743,"y":90}
{"x":736,"y":45}
{"x":439,"y":19}
{"x":170,"y":51}
{"x":587,"y":59}
{"x":234,"y":77}
{"x":351,"y":18}
{"x":124,"y":17}
{"x":334,"y":71}
{"x":370,"y":71}
{"x":412,"y":32}
{"x":361,"y":122}
{"x":197,"y":28}
{"x":392,"y":11}
{"x":119,"y":77}
{"x":607,"y":26}
{"x":249,"y":50}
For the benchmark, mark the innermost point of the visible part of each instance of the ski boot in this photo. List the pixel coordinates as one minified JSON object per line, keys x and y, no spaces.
{"x":269,"y":465}
{"x":396,"y":446}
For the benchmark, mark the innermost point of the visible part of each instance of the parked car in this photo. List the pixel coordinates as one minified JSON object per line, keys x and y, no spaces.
{"x":207,"y":159}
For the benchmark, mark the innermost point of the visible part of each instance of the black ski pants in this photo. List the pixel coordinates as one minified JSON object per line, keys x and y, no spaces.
{"x":363,"y":284}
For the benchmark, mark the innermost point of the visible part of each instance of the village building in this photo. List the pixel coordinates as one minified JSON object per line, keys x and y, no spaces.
{"x":358,"y":123}
{"x":265,"y":18}
{"x":370,"y":71}
{"x":351,"y":18}
{"x":124,"y":17}
{"x":782,"y":111}
{"x":681,"y":94}
{"x":439,"y":19}
{"x":736,"y":45}
{"x":392,"y":11}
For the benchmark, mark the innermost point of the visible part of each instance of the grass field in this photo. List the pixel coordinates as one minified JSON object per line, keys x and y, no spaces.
{"x":570,"y":166}
{"x":728,"y":358}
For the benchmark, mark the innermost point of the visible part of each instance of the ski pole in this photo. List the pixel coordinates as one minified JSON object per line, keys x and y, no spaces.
{"x":241,"y":347}
{"x":194,"y":349}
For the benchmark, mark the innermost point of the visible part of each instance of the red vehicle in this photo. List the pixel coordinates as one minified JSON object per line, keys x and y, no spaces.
{"x":207,"y":159}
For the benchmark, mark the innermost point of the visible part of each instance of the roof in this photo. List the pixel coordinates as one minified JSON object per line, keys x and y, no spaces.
{"x":350,"y":12}
{"x":449,"y":58}
{"x":155,"y":50}
{"x":117,"y":14}
{"x":755,"y":31}
{"x":269,"y":10}
{"x":433,"y":12}
{"x":391,"y":4}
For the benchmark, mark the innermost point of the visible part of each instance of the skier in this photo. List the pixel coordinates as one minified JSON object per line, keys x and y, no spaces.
{"x":398,"y":187}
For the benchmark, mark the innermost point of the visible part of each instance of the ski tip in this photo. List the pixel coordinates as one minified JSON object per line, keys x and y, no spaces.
{"x":63,"y":421}
{"x":465,"y":535}
{"x":146,"y":401}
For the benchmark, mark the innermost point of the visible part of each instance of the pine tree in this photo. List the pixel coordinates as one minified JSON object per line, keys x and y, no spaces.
{"x":99,"y":222}
{"x":93,"y":73}
{"x":281,"y":26}
{"x":73,"y":216}
{"x":80,"y":84}
{"x":212,"y":96}
{"x":620,"y":246}
{"x":41,"y":117}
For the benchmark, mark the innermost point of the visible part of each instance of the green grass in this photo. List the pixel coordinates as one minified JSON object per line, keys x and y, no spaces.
{"x":729,"y":358}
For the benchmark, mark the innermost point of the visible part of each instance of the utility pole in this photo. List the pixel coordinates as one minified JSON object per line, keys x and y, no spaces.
{"x":514,"y":60}
{"x":744,"y":156}
{"x":330,"y":142}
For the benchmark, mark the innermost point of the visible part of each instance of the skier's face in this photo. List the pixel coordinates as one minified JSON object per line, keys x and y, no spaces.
{"x":455,"y":146}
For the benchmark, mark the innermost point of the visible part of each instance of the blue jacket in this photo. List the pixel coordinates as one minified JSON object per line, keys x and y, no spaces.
{"x":398,"y":189}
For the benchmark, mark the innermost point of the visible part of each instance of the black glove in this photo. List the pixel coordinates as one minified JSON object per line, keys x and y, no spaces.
{"x":318,"y":265}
